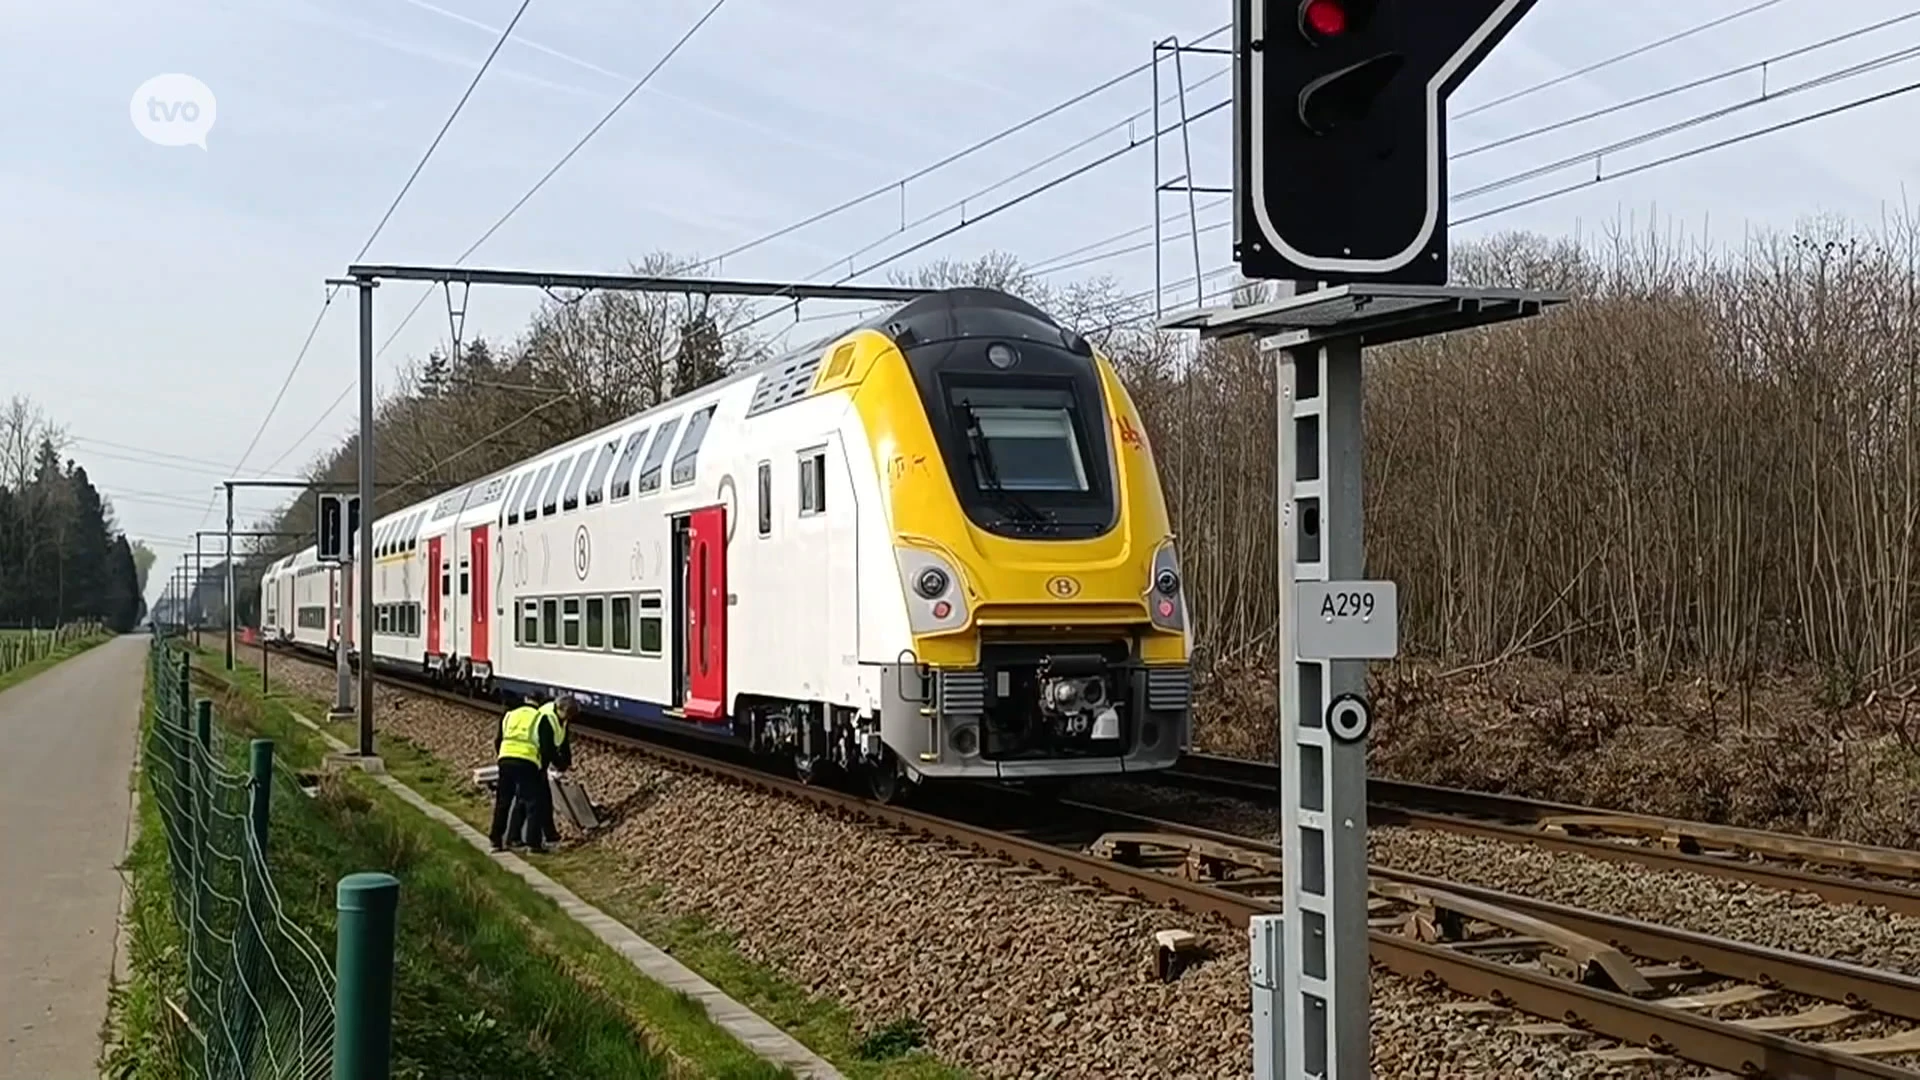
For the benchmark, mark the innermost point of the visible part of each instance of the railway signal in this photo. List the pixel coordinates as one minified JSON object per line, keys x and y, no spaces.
{"x":339,"y":525}
{"x":1340,"y":132}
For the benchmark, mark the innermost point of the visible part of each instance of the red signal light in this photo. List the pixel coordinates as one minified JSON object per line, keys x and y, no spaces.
{"x":1323,"y":18}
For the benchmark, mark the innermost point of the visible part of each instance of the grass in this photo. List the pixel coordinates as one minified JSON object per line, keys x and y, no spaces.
{"x":492,"y":980}
{"x":68,"y":651}
{"x":890,"y":1051}
{"x":144,"y":1039}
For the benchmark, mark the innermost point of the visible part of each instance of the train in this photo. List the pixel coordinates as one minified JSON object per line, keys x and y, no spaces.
{"x":931,"y":548}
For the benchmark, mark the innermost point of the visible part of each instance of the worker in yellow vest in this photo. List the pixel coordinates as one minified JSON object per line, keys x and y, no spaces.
{"x":555,"y":715}
{"x":523,"y":747}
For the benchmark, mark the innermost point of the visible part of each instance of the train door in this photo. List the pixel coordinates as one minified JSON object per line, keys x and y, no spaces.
{"x":441,"y":588}
{"x":433,"y":597}
{"x":702,"y":660}
{"x":480,"y":648}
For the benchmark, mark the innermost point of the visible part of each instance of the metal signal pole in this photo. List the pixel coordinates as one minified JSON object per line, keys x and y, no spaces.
{"x":364,"y":554}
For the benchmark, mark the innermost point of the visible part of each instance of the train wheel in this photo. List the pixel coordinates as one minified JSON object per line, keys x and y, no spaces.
{"x":884,"y":783}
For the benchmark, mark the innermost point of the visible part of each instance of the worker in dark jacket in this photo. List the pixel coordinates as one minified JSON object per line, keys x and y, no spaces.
{"x":555,"y":717}
{"x":523,"y":747}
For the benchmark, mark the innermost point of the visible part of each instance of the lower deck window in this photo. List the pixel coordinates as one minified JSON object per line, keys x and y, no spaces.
{"x":651,"y":624}
{"x":570,"y":623}
{"x":596,"y":622}
{"x":549,"y":622}
{"x":622,"y":623}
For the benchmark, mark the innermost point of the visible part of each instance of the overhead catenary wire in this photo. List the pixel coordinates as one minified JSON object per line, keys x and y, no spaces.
{"x":965,"y":223}
{"x":1055,"y":265}
{"x":1681,"y":155}
{"x":1639,"y":50}
{"x":1078,"y":257}
{"x":327,"y":303}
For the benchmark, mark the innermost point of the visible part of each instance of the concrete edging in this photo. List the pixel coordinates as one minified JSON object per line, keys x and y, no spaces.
{"x":755,"y":1032}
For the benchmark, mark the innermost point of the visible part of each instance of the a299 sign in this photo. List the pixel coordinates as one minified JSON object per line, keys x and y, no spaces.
{"x":1346,"y":620}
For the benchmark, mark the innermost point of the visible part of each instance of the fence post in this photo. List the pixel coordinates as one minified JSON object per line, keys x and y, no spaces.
{"x":261,"y":762}
{"x":363,"y":964}
{"x":201,"y":749}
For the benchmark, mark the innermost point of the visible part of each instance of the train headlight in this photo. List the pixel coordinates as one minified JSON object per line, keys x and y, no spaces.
{"x":1167,"y":581}
{"x":931,"y":582}
{"x":1001,"y":355}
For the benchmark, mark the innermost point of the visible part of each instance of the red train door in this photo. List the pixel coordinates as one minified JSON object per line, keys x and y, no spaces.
{"x":433,"y":596}
{"x":477,"y":648}
{"x":706,"y":614}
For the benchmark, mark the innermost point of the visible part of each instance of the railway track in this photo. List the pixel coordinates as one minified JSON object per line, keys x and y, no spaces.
{"x":1580,"y":972}
{"x":1836,"y":871}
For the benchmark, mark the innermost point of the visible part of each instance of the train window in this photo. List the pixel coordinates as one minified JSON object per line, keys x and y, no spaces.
{"x":597,"y":483}
{"x":685,"y":460}
{"x":550,"y":502}
{"x":531,"y":505}
{"x":649,"y":479}
{"x":650,"y":624}
{"x":383,"y":618}
{"x":463,"y":577}
{"x":513,"y":500}
{"x":766,"y":498}
{"x":530,"y":622}
{"x":596,"y":622}
{"x":413,"y":530}
{"x":570,"y":622}
{"x":549,"y":622}
{"x":623,"y":471}
{"x":446,"y":581}
{"x":813,"y":482}
{"x":622,"y":612}
{"x":572,"y":492}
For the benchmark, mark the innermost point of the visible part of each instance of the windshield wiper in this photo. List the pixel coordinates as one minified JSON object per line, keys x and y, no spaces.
{"x":1016,"y":509}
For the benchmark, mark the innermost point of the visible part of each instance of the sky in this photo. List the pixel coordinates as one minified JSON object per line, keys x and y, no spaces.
{"x":155,"y":297}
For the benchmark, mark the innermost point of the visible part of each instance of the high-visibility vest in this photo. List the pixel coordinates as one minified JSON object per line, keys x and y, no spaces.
{"x":518,"y":738}
{"x":559,"y":725}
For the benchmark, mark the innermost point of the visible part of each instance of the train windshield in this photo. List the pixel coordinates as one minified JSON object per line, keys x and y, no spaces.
{"x":1029,"y":447}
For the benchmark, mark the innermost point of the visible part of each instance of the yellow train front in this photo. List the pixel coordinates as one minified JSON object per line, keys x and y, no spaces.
{"x":1033,"y":609}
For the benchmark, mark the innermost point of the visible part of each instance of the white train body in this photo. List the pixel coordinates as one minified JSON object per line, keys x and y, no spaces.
{"x":758,"y":560}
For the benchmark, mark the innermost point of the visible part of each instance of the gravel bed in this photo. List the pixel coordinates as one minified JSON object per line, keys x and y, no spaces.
{"x":1014,"y":973}
{"x":1798,"y":921}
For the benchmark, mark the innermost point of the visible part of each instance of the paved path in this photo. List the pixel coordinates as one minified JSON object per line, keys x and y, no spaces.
{"x":67,"y":740}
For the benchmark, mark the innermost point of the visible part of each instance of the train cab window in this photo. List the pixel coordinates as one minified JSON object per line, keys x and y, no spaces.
{"x":513,"y":500}
{"x":530,"y":506}
{"x":597,"y":482}
{"x":596,"y":622}
{"x":463,"y":577}
{"x":549,"y":622}
{"x":550,"y":502}
{"x":685,"y":460}
{"x":572,"y":491}
{"x":623,"y":471}
{"x":651,"y":624}
{"x":620,"y":610}
{"x":649,"y":478}
{"x":1027,"y":449}
{"x":766,"y":498}
{"x":530,"y":622}
{"x":570,"y":622}
{"x":813,"y":482}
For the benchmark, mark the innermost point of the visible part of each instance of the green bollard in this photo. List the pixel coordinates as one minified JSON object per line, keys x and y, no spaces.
{"x":363,"y":966}
{"x":261,"y":788}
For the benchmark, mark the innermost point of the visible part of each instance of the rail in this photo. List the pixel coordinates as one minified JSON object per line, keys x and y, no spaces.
{"x":1066,"y":838}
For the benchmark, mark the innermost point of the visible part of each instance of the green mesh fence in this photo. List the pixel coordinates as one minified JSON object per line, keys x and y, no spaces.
{"x":259,"y":989}
{"x":21,"y":647}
